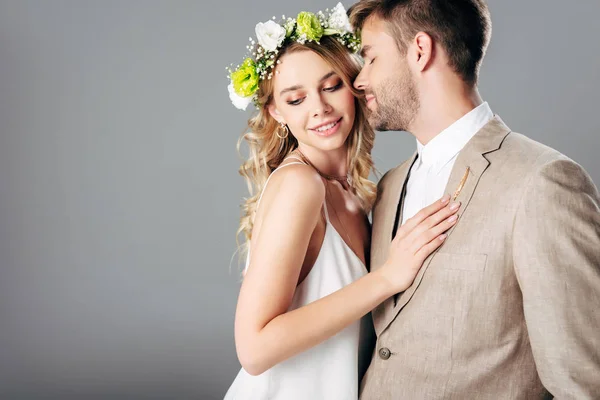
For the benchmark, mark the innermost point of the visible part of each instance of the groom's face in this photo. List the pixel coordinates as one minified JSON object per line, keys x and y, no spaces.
{"x":386,"y":79}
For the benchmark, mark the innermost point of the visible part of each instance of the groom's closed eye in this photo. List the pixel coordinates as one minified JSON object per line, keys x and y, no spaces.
{"x":368,"y":58}
{"x":364,"y":51}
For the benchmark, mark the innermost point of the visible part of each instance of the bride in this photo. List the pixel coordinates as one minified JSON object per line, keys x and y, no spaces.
{"x":306,"y":284}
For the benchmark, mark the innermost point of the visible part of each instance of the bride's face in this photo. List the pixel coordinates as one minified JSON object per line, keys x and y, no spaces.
{"x":312,"y":100}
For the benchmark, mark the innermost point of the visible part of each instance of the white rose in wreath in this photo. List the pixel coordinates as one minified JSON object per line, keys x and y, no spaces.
{"x":270,"y":35}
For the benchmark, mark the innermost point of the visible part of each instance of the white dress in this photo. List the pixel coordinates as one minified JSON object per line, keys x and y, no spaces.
{"x":330,"y":370}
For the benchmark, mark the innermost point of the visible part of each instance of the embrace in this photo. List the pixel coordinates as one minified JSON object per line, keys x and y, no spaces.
{"x":479,"y":277}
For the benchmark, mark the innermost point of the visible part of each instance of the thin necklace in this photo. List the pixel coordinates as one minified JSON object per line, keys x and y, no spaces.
{"x":350,"y":244}
{"x":342,"y":179}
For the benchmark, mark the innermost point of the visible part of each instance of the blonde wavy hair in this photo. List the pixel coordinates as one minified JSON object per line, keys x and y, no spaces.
{"x":267,"y":150}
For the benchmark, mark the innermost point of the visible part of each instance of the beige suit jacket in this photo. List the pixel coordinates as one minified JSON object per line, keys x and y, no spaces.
{"x":509,"y":306}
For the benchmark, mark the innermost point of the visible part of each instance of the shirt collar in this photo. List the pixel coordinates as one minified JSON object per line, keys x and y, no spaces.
{"x":449,"y":142}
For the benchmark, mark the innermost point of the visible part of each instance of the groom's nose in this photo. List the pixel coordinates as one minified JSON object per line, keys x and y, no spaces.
{"x":360,"y":82}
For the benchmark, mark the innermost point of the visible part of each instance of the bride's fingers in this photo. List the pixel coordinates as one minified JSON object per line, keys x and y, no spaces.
{"x":441,"y":215}
{"x":426,"y":212}
{"x":430,"y":247}
{"x":429,"y":235}
{"x":432,"y":221}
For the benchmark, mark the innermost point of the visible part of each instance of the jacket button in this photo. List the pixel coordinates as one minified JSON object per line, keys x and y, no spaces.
{"x":384,"y":353}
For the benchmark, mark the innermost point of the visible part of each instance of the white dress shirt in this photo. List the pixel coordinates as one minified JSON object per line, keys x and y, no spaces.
{"x":431,"y":171}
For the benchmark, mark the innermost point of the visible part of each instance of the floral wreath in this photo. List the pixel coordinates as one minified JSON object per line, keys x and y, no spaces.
{"x":271,"y":36}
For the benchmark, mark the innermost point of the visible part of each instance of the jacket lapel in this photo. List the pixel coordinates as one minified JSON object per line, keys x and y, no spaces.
{"x":487,"y":140}
{"x":384,"y":219}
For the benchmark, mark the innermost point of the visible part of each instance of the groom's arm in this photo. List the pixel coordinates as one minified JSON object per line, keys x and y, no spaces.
{"x":556,"y":254}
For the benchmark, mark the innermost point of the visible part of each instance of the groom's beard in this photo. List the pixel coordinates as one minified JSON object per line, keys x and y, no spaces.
{"x":397,"y":104}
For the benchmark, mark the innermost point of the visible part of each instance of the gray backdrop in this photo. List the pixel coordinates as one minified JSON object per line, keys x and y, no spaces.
{"x":119,"y":193}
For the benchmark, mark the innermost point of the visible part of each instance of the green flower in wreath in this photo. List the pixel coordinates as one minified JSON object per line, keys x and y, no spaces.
{"x":245,"y":79}
{"x":308,"y":25}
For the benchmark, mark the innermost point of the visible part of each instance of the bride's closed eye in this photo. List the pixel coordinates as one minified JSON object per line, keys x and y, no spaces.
{"x":295,"y":102}
{"x":334,"y":88}
{"x":329,"y":89}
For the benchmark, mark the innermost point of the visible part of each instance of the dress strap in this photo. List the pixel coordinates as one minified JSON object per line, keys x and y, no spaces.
{"x":325,"y":213}
{"x":269,"y":178}
{"x":263,"y":191}
{"x":293,"y":157}
{"x":325,"y":210}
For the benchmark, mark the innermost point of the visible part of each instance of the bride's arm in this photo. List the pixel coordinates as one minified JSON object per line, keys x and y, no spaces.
{"x":265,"y":333}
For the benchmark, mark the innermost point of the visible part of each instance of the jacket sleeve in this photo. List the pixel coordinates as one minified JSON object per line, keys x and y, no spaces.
{"x":556,"y":253}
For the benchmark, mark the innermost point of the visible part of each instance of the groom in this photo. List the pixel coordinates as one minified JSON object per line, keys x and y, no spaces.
{"x":509,"y":307}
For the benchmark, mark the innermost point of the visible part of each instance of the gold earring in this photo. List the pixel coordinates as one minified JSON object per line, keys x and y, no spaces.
{"x":286,"y":131}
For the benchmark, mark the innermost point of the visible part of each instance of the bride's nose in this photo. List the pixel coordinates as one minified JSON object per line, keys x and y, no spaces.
{"x":321,"y":107}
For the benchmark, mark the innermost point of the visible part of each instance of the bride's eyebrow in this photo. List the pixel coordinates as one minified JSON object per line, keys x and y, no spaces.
{"x":296,"y":87}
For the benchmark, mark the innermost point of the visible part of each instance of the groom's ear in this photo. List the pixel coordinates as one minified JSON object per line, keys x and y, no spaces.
{"x":423,"y":51}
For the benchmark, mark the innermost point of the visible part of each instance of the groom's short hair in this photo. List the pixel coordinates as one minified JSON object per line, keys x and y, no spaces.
{"x":462,"y":27}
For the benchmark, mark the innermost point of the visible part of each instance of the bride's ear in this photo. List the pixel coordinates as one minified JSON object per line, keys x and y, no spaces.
{"x":275,"y":113}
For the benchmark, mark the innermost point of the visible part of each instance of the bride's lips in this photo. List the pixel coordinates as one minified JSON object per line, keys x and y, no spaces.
{"x":328,"y":132}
